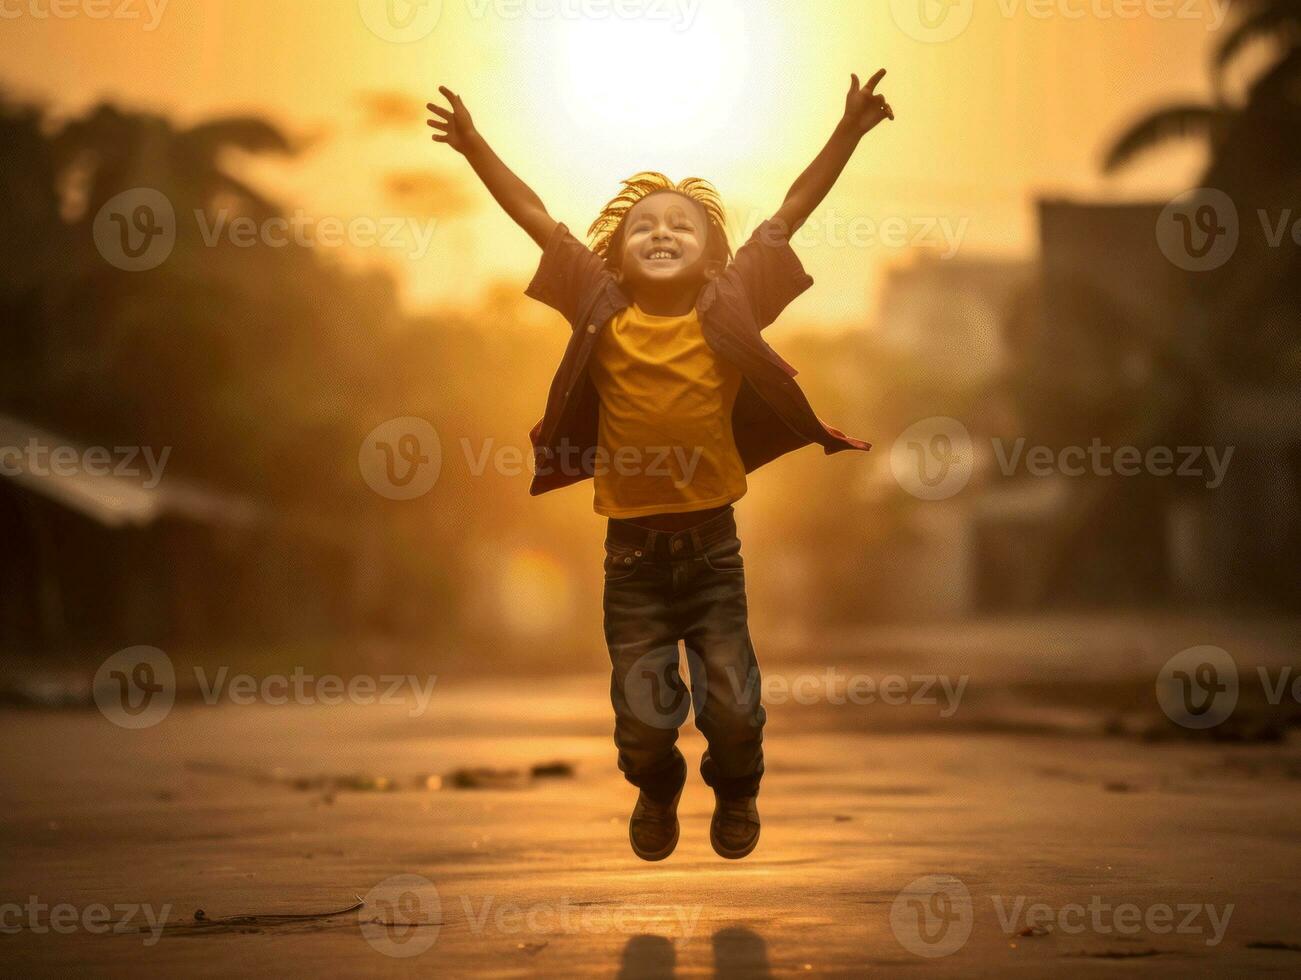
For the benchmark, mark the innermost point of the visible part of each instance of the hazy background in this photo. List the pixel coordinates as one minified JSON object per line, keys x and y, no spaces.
{"x":1053,"y":317}
{"x":740,"y":93}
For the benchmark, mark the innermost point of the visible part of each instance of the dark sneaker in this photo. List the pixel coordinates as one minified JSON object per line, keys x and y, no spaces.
{"x":734,"y":831}
{"x":653,"y":829}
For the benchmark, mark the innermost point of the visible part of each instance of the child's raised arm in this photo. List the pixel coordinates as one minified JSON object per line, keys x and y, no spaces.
{"x":864,"y":111}
{"x":455,"y":128}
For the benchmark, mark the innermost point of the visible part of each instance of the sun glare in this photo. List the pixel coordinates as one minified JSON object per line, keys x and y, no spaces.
{"x":658,"y":86}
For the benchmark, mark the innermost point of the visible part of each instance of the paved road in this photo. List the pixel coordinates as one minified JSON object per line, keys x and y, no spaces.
{"x":883,"y":845}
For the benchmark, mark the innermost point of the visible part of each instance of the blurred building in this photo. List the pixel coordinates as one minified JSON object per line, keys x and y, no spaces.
{"x":103,"y":555}
{"x":1101,"y":338}
{"x":951,"y":316}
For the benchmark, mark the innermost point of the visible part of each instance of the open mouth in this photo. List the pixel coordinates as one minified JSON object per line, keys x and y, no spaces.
{"x":661,"y":255}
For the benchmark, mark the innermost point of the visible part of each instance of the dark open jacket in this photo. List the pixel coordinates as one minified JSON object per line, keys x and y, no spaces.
{"x":771,"y":416}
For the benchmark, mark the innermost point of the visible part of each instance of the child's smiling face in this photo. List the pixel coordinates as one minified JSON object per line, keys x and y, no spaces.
{"x":664,"y":238}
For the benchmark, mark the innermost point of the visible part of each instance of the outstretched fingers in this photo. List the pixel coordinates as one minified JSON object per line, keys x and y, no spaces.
{"x":873,"y":82}
{"x":451,"y":125}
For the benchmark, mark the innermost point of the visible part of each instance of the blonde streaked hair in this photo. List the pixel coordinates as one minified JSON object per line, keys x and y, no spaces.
{"x":606,"y":233}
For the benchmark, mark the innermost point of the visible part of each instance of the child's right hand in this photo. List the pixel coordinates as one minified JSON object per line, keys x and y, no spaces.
{"x":454,"y":127}
{"x":864,"y":109}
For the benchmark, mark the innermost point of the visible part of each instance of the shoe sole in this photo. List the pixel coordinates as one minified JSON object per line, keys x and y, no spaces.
{"x":670,"y":847}
{"x":723,"y":852}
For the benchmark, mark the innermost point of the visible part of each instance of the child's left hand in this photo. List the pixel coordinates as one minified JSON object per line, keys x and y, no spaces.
{"x":864,"y":109}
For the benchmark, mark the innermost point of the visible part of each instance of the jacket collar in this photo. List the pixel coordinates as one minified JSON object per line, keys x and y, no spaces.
{"x":614,"y":300}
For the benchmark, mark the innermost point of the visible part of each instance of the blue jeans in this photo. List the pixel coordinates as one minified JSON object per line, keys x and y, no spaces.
{"x":663,"y":588}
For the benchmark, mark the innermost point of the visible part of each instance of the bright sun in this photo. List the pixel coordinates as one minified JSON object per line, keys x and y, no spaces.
{"x":659,"y":85}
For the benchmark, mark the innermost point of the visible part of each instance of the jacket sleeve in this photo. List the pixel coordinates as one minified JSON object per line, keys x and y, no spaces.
{"x":768,"y":273}
{"x":567,"y":274}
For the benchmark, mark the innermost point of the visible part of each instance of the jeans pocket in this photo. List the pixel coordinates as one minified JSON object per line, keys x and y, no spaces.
{"x":621,"y":563}
{"x":725,"y":556}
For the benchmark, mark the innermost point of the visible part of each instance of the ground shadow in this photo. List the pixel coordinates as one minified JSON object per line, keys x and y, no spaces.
{"x":648,"y":958}
{"x":740,"y":953}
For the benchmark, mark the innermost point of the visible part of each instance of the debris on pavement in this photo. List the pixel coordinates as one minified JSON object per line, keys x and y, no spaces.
{"x":1117,"y":954}
{"x":553,"y":770}
{"x":259,"y":918}
{"x":255,"y":922}
{"x":328,"y":785}
{"x":484,"y":777}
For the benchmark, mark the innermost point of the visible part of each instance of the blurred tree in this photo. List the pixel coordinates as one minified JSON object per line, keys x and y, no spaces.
{"x":261,"y":366}
{"x":1238,"y":333}
{"x":1251,"y":303}
{"x":1222,"y":123}
{"x":31,"y":234}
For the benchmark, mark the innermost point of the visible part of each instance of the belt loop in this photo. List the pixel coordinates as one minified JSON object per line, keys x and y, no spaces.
{"x":651,"y":537}
{"x":695,"y":540}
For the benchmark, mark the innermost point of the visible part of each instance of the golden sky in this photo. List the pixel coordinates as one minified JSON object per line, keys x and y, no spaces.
{"x":576,"y":94}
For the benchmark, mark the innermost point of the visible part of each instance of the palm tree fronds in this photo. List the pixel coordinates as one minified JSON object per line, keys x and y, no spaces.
{"x":1162,"y":126}
{"x":1280,"y":21}
{"x":1278,"y":85}
{"x":245,"y":133}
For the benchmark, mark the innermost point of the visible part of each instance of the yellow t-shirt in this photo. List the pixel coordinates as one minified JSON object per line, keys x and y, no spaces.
{"x":665,"y":443}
